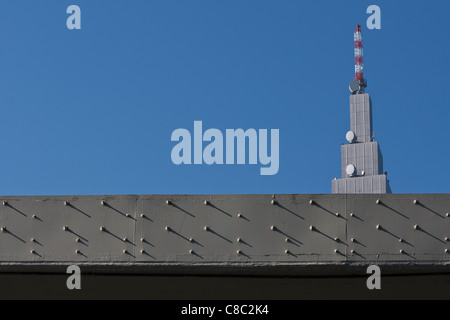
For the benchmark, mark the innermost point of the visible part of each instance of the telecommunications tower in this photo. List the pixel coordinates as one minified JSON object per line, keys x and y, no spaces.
{"x":361,"y":159}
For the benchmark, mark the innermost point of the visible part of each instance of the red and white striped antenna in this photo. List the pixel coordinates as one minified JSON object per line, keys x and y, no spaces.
{"x":359,"y":83}
{"x":359,"y":56}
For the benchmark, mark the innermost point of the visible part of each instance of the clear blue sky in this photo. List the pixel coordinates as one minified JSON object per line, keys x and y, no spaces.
{"x":91,"y":111}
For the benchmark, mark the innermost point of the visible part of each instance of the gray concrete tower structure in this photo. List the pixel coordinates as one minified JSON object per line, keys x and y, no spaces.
{"x":361,"y":159}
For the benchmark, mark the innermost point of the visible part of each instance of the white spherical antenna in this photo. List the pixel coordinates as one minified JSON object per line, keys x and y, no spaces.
{"x":351,"y":170}
{"x":350,"y":136}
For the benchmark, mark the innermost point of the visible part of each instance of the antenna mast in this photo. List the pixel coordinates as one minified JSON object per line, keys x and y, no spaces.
{"x":359,"y":56}
{"x":359,"y":83}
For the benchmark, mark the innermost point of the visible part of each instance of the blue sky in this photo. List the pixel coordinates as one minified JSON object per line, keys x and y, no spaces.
{"x":91,"y":111}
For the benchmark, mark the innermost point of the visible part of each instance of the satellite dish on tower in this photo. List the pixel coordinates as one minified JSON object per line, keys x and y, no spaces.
{"x":354,"y":86}
{"x":350,"y":136}
{"x":350,"y":170}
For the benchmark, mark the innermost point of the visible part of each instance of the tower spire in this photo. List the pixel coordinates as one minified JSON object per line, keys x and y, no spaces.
{"x":359,"y":83}
{"x":359,"y":56}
